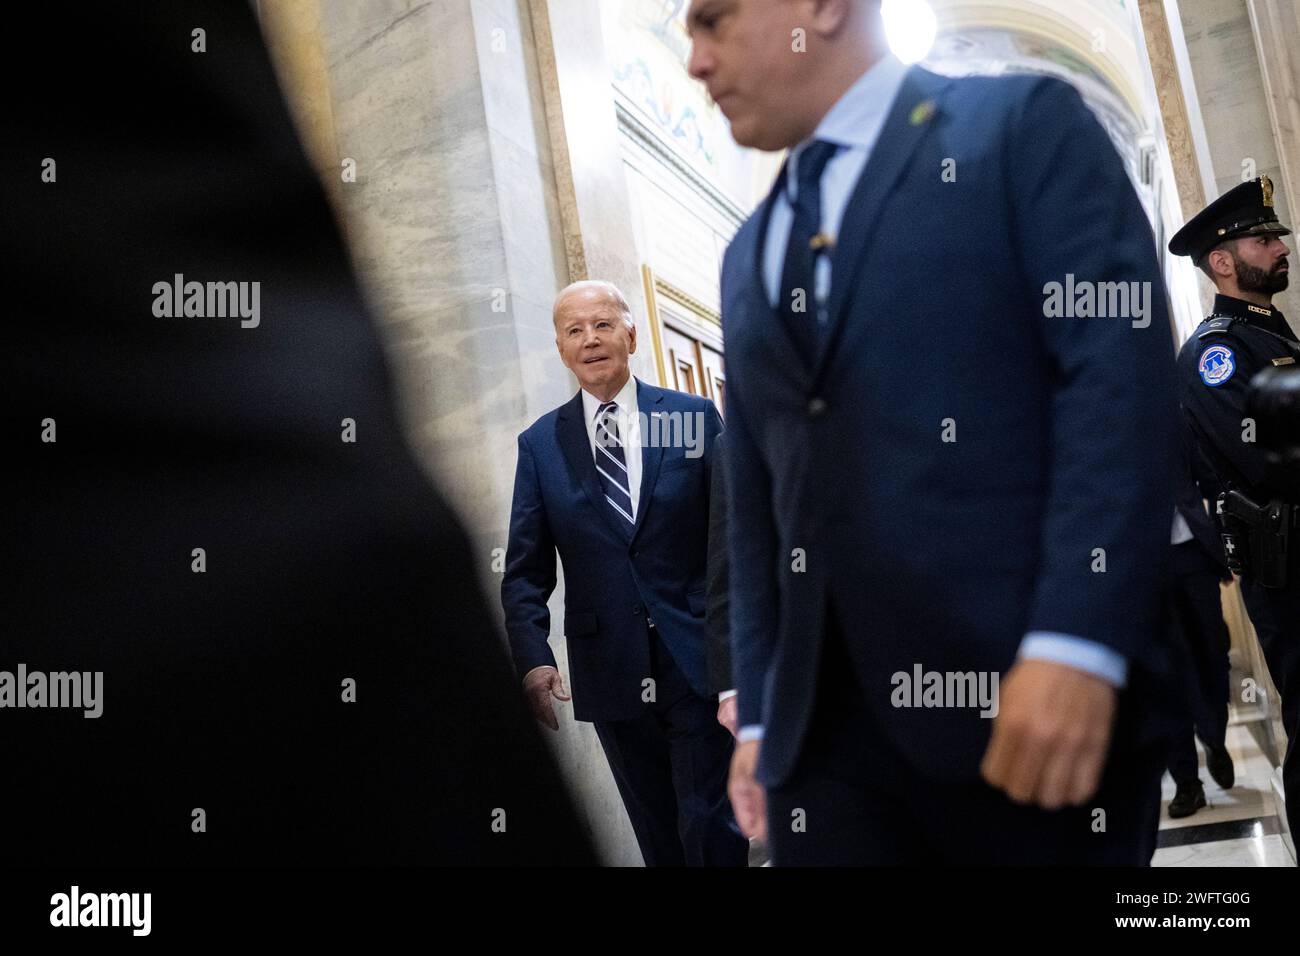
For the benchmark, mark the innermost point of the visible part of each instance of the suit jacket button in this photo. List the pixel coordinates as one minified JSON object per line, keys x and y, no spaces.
{"x":816,"y":407}
{"x":637,"y":609}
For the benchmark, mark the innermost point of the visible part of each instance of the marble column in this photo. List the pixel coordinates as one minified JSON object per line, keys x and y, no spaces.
{"x":1235,"y":106}
{"x":1173,"y":107}
{"x":595,"y":206}
{"x":1276,"y":27}
{"x":457,"y":231}
{"x":293,"y":34}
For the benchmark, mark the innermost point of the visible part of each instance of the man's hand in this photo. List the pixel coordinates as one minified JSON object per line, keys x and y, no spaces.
{"x":727,"y":714}
{"x":540,"y":685}
{"x":746,"y":793}
{"x":1051,"y":734}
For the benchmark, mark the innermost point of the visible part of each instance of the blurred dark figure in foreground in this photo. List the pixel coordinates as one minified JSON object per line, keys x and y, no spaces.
{"x":141,"y":432}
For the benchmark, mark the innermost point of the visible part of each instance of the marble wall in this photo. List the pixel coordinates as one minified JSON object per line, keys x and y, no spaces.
{"x":1234,"y":106}
{"x":1276,"y":25}
{"x":595,"y":208}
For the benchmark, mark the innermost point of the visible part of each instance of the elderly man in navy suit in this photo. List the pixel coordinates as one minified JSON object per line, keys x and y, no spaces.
{"x":617,"y":482}
{"x":950,"y":491}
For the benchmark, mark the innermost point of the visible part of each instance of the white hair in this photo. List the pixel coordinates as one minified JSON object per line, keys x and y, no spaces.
{"x":593,"y":285}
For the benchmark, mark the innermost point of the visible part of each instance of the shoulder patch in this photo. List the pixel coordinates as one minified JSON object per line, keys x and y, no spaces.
{"x":1217,"y":365}
{"x":1216,"y":325}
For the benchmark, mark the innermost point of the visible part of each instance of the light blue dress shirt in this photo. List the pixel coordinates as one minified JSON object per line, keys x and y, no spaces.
{"x":854,"y":124}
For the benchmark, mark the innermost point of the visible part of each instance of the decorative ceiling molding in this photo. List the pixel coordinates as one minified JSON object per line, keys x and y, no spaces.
{"x":639,"y":133}
{"x":700,"y":309}
{"x":1070,"y":27}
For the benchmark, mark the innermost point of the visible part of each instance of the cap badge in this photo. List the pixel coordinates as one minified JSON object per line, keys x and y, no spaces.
{"x":1266,"y":185}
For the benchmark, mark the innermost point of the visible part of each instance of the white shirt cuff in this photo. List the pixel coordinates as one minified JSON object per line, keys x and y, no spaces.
{"x":725,"y":694}
{"x":751,"y":732}
{"x":1077,"y":652}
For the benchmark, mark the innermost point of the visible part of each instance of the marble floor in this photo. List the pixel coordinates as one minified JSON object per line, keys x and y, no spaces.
{"x":1239,"y":827}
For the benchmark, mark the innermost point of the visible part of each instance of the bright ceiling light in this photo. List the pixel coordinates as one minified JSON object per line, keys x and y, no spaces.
{"x":910,"y":26}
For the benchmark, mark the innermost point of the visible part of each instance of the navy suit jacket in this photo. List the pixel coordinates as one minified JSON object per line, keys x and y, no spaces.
{"x":937,"y":553}
{"x":615,"y":575}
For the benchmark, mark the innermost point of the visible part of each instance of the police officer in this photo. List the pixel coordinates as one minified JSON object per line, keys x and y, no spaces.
{"x":1237,"y":242}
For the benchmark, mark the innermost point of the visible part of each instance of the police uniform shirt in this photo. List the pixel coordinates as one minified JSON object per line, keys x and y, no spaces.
{"x":1215,"y":367}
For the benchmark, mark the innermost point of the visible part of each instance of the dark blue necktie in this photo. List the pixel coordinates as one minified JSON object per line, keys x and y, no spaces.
{"x":798,"y":302}
{"x":611,"y":463}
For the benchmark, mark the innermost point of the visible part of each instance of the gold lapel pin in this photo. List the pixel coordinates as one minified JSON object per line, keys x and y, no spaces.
{"x":922,"y":112}
{"x":821,"y":241}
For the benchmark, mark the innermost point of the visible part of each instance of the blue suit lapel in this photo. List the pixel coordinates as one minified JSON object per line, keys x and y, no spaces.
{"x":913,"y":114}
{"x":571,"y":433}
{"x":649,"y":401}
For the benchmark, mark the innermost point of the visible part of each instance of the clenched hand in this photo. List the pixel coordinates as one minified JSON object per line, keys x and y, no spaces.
{"x":540,"y":685}
{"x":1051,"y":734}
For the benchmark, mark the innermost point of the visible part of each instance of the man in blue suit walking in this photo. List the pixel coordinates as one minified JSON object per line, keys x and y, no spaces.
{"x":950,"y":407}
{"x":617,"y":482}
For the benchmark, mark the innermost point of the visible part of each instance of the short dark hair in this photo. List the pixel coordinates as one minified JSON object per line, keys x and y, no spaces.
{"x":1203,"y":263}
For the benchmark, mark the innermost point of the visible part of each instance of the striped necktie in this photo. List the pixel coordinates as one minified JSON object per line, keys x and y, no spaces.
{"x":611,"y":464}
